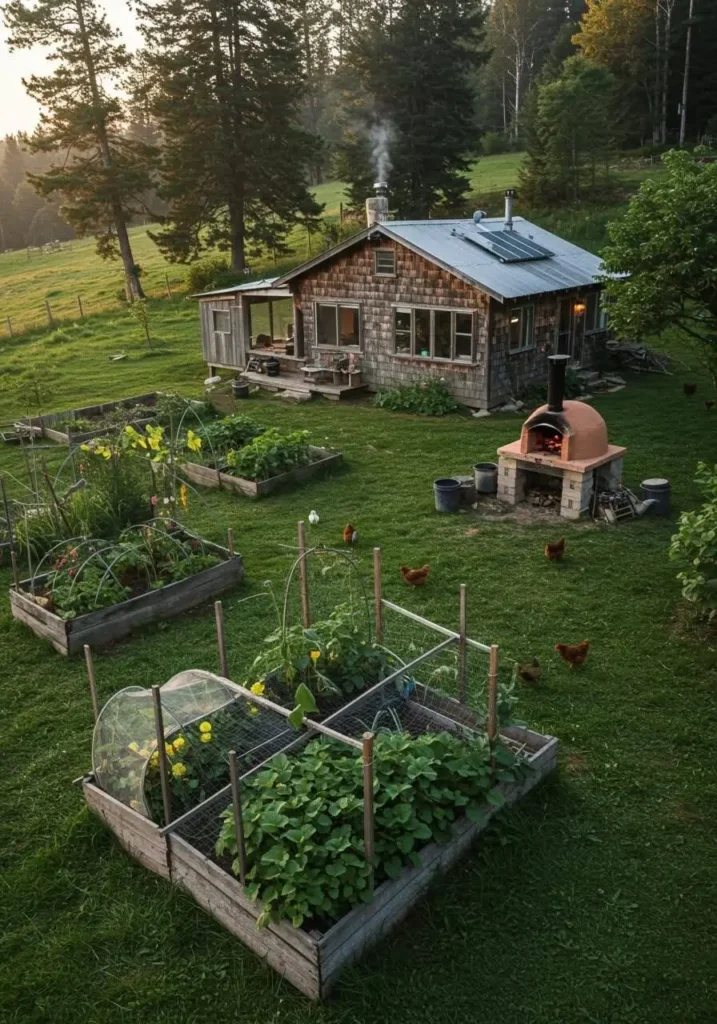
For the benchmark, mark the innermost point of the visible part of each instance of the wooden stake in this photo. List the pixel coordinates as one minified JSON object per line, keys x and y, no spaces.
{"x":377,"y":599}
{"x":493,"y":693}
{"x":238,"y":820}
{"x":9,"y":327}
{"x":462,"y":646}
{"x":230,"y":541}
{"x":15,"y":573}
{"x":93,"y":685}
{"x":221,"y":640}
{"x":79,"y":306}
{"x":304,"y":578}
{"x":163,"y":764}
{"x":368,"y":800}
{"x":49,"y":313}
{"x":8,"y":517}
{"x":169,"y":290}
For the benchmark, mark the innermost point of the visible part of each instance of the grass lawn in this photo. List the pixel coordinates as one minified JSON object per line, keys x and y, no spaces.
{"x":590,"y":903}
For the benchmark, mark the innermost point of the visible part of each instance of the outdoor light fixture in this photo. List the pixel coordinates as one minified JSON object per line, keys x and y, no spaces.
{"x":515,"y":319}
{"x":579,"y":308}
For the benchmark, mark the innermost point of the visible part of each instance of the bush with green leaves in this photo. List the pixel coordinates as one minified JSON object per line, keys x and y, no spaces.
{"x":212,"y":272}
{"x":694,"y":545}
{"x":271,"y":453}
{"x":303,"y":817}
{"x":429,"y":397}
{"x":228,"y":434}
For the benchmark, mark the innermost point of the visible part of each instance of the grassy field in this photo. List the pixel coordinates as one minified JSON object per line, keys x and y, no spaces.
{"x":590,"y":903}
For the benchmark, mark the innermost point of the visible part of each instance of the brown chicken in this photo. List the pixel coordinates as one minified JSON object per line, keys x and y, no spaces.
{"x":555,"y":551}
{"x":350,"y":534}
{"x":689,"y":389}
{"x":415,"y":577}
{"x":530,"y":672}
{"x":574,"y":654}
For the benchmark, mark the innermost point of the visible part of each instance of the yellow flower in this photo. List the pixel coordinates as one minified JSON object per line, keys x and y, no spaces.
{"x":179,"y":743}
{"x":314,"y":655}
{"x":253,"y":710}
{"x":134,"y":747}
{"x":178,"y":770}
{"x":258,"y":689}
{"x":194,"y":443}
{"x":205,"y":727}
{"x":183,"y":493}
{"x":154,"y":760}
{"x":144,"y":752}
{"x":155,"y":436}
{"x":169,"y":749}
{"x":206,"y":737}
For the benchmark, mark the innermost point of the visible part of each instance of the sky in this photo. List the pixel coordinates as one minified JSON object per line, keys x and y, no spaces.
{"x":17,"y":111}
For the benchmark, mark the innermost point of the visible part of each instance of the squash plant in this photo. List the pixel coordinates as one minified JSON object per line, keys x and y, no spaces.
{"x":303,"y":817}
{"x":271,"y":454}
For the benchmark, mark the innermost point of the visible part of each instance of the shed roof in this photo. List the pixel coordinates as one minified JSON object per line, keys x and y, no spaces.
{"x":264,"y":288}
{"x":442,"y":242}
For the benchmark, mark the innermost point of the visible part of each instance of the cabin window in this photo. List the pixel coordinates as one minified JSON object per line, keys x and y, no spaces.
{"x":444,"y":334}
{"x":337,"y":325}
{"x":222,"y":321}
{"x":595,"y":315}
{"x":521,"y":323}
{"x":384,"y":262}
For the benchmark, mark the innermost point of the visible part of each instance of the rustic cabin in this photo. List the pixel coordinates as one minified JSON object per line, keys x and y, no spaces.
{"x":481,"y":303}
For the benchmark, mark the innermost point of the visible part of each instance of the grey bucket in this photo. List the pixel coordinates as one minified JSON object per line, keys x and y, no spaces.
{"x":447,"y":492}
{"x":240,"y":388}
{"x":659,"y":489}
{"x":486,"y":477}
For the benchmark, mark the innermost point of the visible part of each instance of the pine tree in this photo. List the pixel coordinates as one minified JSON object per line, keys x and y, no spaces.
{"x":100,"y":182}
{"x":235,"y":159}
{"x":13,"y":164}
{"x":417,"y":68}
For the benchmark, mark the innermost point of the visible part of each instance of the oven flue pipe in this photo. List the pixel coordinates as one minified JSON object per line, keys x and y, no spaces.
{"x":556,"y":382}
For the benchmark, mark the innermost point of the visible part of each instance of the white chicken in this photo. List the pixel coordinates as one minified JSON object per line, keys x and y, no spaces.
{"x":313,"y":517}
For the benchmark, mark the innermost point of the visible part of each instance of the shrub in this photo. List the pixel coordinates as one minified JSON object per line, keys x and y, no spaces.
{"x":429,"y":397}
{"x":493,"y":143}
{"x":694,"y":545}
{"x":270,"y":454}
{"x":212,"y":272}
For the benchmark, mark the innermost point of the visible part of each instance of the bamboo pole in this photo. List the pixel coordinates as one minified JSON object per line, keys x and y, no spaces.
{"x":238,"y":820}
{"x":493,"y":693}
{"x":462,"y":646}
{"x":93,"y":685}
{"x":378,"y":604}
{"x":304,"y":578}
{"x":230,"y":542}
{"x":163,"y":765}
{"x":221,"y":639}
{"x":15,"y":572}
{"x":368,"y":802}
{"x":475,"y":644}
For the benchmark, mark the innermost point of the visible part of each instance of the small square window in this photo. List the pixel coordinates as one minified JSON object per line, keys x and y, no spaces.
{"x":385,"y":262}
{"x":222,"y":321}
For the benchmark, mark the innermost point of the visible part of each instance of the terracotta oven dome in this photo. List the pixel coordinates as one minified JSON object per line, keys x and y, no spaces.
{"x":574,"y":432}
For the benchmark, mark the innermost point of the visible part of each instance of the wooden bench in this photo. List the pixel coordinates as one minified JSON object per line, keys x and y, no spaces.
{"x":315,"y":374}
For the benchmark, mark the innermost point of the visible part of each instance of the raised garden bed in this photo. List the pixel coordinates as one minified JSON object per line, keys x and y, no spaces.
{"x":101,"y":627}
{"x":55,"y":426}
{"x":323,"y":461}
{"x":311,"y":960}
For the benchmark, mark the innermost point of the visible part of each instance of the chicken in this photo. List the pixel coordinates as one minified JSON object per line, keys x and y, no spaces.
{"x":710,"y":404}
{"x":555,"y":551}
{"x":415,"y":577}
{"x":574,"y":654}
{"x":530,"y":672}
{"x":313,"y":517}
{"x":350,"y":534}
{"x":689,"y":389}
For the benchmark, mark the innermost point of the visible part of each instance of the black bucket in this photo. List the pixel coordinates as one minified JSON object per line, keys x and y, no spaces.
{"x":447,"y":492}
{"x":486,"y":477}
{"x":240,"y":388}
{"x":272,"y":367}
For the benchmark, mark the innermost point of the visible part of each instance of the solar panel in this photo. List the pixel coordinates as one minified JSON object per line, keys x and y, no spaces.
{"x":508,"y":246}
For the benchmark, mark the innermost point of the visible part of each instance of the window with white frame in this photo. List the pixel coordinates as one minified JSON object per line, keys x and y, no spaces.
{"x":222,"y":321}
{"x":595,"y":315}
{"x":443,"y":334}
{"x":384,"y":262}
{"x":522,"y":324}
{"x":337,"y":325}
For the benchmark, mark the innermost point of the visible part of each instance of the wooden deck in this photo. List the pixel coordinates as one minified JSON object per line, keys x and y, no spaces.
{"x":297,"y":385}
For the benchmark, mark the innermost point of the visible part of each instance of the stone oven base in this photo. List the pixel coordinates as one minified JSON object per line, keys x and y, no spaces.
{"x":517,"y":472}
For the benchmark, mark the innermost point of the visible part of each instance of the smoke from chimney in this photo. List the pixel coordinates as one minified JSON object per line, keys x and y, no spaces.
{"x":381,"y":137}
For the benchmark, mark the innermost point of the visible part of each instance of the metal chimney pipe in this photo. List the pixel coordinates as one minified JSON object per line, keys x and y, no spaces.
{"x":509,"y":197}
{"x":556,"y":382}
{"x":377,"y":206}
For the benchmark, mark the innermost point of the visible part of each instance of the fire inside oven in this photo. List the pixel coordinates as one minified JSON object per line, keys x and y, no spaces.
{"x":545,"y":438}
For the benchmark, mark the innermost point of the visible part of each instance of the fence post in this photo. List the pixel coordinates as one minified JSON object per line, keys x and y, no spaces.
{"x":368,"y":801}
{"x":169,"y":290}
{"x":377,"y":599}
{"x":230,"y":542}
{"x":238,"y":820}
{"x":493,"y":693}
{"x":9,"y":327}
{"x":49,"y":313}
{"x":221,"y":641}
{"x":79,"y":306}
{"x":161,"y":751}
{"x":93,"y":684}
{"x":304,"y":578}
{"x":462,"y":647}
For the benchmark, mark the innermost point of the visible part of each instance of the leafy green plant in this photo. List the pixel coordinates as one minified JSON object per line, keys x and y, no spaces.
{"x":228,"y":434}
{"x":171,"y":407}
{"x":270,"y":454}
{"x":694,"y":545}
{"x":429,"y":397}
{"x":303,"y":818}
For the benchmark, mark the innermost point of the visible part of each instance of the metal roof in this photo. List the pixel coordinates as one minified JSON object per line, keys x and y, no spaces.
{"x":440,"y":242}
{"x":263,"y":288}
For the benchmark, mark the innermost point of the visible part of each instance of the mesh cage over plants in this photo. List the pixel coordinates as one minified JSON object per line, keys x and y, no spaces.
{"x":204,"y":717}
